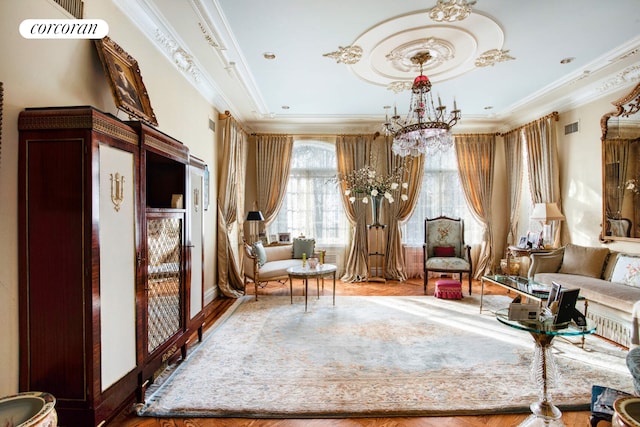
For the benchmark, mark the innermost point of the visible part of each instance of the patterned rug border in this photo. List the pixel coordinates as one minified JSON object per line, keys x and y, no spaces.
{"x":155,"y":392}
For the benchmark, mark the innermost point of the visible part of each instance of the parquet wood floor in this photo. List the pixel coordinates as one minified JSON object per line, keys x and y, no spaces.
{"x":409,"y":287}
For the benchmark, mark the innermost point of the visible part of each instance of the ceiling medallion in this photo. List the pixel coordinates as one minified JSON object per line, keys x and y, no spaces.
{"x":440,"y":51}
{"x":492,"y":56}
{"x":346,"y":55}
{"x":451,"y":11}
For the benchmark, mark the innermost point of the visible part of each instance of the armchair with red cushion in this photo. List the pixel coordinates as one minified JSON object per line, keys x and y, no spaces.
{"x":444,"y":250}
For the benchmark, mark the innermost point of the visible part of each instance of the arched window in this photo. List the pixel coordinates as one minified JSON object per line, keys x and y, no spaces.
{"x":441,"y":194}
{"x":312,"y":204}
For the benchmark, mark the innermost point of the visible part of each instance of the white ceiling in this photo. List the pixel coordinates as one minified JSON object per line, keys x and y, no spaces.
{"x":219,"y":46}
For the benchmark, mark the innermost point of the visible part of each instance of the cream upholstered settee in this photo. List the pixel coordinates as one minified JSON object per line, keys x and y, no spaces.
{"x":609,"y":281}
{"x":269,"y":263}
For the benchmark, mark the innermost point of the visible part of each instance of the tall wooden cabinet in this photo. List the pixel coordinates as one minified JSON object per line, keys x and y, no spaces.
{"x":163,"y":295}
{"x":107,"y":234}
{"x":78,"y":246}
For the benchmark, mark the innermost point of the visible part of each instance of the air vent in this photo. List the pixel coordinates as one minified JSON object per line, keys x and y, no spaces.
{"x":74,"y":7}
{"x":571,"y":128}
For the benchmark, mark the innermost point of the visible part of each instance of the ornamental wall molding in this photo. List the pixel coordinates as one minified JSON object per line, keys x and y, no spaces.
{"x":181,"y":58}
{"x":626,"y":76}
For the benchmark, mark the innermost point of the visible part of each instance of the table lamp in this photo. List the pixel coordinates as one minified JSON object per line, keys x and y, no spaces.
{"x":254,"y":217}
{"x":546,"y":212}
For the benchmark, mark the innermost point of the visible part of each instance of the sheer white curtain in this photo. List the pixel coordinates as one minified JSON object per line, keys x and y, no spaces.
{"x":312,"y":206}
{"x":441,"y":194}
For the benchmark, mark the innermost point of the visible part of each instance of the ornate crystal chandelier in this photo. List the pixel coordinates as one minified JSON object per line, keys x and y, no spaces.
{"x":426,"y":126}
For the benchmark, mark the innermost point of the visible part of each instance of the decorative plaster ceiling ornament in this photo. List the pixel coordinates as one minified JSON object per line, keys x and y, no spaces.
{"x":441,"y":52}
{"x":454,"y":46}
{"x":346,"y":55}
{"x":208,"y":37}
{"x":451,"y":11}
{"x":400,"y":86}
{"x":492,"y":56}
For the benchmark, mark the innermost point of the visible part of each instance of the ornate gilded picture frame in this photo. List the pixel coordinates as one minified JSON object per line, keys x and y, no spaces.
{"x":124,"y":77}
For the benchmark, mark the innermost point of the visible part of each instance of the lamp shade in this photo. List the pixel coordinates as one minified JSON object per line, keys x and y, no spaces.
{"x":255,"y":216}
{"x":545,"y":212}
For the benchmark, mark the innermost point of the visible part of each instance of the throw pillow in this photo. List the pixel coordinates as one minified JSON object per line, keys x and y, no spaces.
{"x":303,"y":246}
{"x":258,"y":251}
{"x":627,"y":270}
{"x":583,"y":261}
{"x":445,"y":251}
{"x":548,"y":263}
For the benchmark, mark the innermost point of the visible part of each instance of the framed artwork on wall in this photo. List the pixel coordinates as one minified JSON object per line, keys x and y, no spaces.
{"x":124,"y":77}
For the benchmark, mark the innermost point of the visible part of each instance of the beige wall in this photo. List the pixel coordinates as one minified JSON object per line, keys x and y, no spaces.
{"x":580,"y":156}
{"x":40,"y":73}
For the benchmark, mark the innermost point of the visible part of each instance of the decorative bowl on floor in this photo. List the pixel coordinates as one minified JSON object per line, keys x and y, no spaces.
{"x":514,"y":264}
{"x":28,"y":409}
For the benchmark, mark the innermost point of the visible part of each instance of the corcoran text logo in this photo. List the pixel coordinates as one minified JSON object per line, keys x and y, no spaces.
{"x":63,"y":28}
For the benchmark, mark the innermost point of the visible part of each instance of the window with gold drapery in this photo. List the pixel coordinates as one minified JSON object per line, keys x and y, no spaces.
{"x":231,"y":208}
{"x":476,"y":164}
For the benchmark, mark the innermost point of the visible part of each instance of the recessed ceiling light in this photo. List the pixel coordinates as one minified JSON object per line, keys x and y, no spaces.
{"x":567,"y":60}
{"x":269,"y":55}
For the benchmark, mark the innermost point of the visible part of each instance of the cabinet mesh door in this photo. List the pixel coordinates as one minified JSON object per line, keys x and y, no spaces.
{"x":164,"y":237}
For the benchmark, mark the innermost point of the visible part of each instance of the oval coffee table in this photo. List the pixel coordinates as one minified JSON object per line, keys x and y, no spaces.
{"x":306,"y":273}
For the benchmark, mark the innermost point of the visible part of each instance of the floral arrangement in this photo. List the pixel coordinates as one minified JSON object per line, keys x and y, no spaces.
{"x":365,"y":182}
{"x":632,"y":185}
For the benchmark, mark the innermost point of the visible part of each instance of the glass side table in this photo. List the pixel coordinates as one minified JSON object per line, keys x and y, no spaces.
{"x":544,"y":412}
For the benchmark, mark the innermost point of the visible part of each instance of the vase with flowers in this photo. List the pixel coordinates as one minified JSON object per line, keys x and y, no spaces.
{"x":365,"y":184}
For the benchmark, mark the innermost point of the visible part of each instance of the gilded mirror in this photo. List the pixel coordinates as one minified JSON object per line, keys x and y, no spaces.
{"x":621,"y":169}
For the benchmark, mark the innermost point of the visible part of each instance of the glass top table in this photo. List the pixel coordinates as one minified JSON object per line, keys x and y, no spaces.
{"x":520,"y":285}
{"x":544,"y":413}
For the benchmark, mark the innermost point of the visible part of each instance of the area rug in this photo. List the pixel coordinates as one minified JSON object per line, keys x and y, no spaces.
{"x":373,"y":356}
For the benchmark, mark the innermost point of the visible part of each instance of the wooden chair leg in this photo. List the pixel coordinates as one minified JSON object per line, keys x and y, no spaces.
{"x":426,"y":275}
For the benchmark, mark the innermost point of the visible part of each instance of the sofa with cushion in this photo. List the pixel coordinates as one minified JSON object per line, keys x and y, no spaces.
{"x":263,"y":264}
{"x":609,"y":281}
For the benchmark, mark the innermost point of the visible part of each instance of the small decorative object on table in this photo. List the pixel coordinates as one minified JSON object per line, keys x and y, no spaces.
{"x":510,"y":267}
{"x":313,"y":262}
